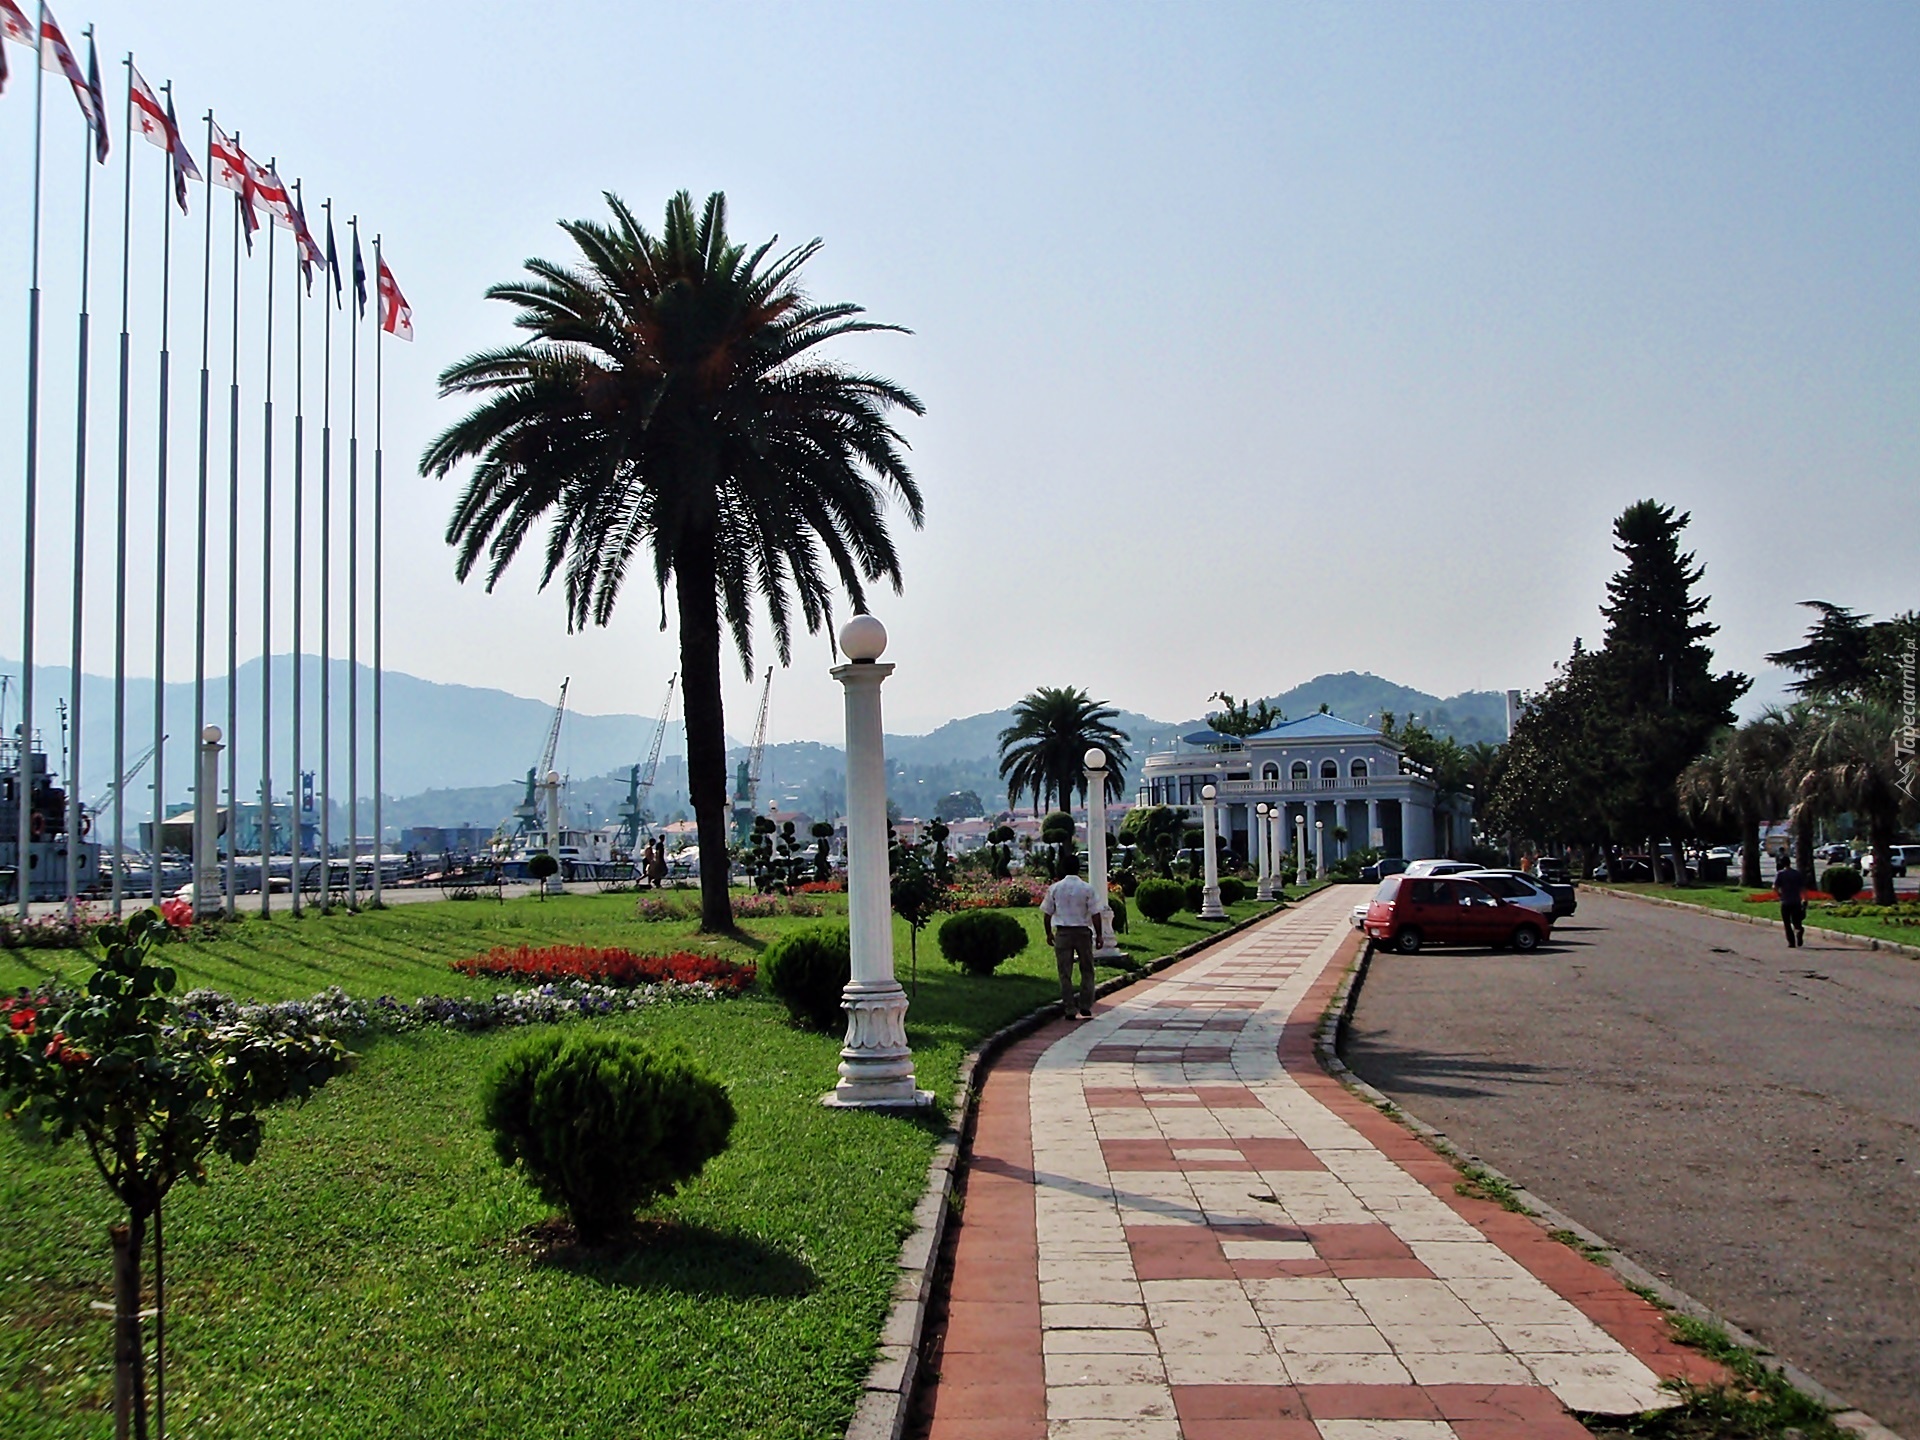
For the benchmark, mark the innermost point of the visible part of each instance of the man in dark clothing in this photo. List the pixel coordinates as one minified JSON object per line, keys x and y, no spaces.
{"x":1791,"y":887}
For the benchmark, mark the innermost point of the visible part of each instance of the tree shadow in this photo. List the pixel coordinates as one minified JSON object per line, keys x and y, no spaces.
{"x":673,"y":1255}
{"x":1421,"y":1072}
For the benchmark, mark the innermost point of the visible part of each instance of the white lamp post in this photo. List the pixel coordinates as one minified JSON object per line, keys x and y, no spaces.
{"x":554,"y":884}
{"x":1263,"y":851}
{"x":876,"y":1067}
{"x":206,"y":822}
{"x":1210,"y":826}
{"x":1300,"y":849}
{"x":1104,"y":945}
{"x":1276,"y":848}
{"x":1319,"y":849}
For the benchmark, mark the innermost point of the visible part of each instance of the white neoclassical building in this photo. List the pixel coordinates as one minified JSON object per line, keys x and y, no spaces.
{"x":1321,"y":767}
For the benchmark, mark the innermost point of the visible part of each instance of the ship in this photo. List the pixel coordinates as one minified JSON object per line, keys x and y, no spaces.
{"x":50,"y":849}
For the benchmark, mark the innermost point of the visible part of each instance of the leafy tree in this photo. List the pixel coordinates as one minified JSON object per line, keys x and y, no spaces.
{"x":1851,"y":762}
{"x":1742,"y":781}
{"x":542,"y":867}
{"x":669,"y":400}
{"x":1846,"y":656}
{"x":959,"y":805}
{"x":917,"y":891}
{"x":1043,"y":753}
{"x":1242,"y":718}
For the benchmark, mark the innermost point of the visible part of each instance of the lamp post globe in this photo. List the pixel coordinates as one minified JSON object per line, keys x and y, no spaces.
{"x":1210,"y":907}
{"x":863,"y":639}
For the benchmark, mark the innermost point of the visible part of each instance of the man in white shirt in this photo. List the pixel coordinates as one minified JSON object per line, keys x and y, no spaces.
{"x":1067,"y":914}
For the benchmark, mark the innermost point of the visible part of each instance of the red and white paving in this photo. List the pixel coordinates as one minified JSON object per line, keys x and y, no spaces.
{"x":1177,"y":1225}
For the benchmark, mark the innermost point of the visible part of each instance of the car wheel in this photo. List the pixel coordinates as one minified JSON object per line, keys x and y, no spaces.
{"x":1526,"y":938}
{"x":1407,"y":942}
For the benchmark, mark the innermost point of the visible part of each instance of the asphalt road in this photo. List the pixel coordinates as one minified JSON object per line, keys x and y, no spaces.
{"x":1739,"y":1117}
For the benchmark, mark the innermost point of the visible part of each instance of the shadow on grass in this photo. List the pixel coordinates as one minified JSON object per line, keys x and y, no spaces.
{"x":671,"y":1255}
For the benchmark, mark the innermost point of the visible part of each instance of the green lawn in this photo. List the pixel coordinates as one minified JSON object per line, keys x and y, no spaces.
{"x":1734,"y":898}
{"x":361,"y":1279}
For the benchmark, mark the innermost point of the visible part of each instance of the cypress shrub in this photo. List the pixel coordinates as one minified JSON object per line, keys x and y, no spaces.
{"x":1117,"y":903}
{"x":1159,"y":899}
{"x":1843,"y":882}
{"x":1232,"y":890}
{"x":979,"y":940}
{"x":808,"y":970}
{"x":603,"y":1125}
{"x":1193,"y":894}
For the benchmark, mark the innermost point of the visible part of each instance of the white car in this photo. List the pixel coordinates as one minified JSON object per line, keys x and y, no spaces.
{"x":1515,"y":889}
{"x":1438,"y":867}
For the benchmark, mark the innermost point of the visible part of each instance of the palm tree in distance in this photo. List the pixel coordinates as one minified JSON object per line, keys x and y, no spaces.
{"x":668,"y":400}
{"x":1850,"y":764}
{"x":1043,"y":753}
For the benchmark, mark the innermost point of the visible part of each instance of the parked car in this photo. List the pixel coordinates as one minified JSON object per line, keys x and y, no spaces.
{"x":1637,"y":867}
{"x":1551,"y":869}
{"x":1379,"y":870}
{"x":1901,"y":859}
{"x":1836,"y":854}
{"x":1439,"y":867}
{"x":1524,"y":889}
{"x":1409,"y":911}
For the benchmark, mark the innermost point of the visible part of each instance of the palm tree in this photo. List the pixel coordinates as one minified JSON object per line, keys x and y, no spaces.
{"x":667,"y":400}
{"x":1044,"y":751}
{"x":1850,"y":763}
{"x":1743,"y":778}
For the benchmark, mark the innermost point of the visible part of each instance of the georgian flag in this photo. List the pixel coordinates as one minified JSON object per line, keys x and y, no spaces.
{"x":162,"y":129}
{"x":98,"y":114}
{"x":270,"y":192}
{"x":396,"y":316}
{"x":16,"y":27}
{"x":56,"y":54}
{"x":232,"y":171}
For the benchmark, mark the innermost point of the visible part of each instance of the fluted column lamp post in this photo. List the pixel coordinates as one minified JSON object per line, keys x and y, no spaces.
{"x":206,"y":825}
{"x":1104,"y":945}
{"x":1300,"y":849}
{"x":1263,"y":850}
{"x":1210,"y":826}
{"x":876,"y":1067}
{"x":1319,"y":849}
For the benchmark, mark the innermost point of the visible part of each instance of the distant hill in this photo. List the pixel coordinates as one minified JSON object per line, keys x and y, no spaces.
{"x":458,"y":754}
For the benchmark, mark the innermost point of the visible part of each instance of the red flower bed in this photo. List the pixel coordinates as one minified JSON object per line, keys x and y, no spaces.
{"x":1767,"y":896}
{"x":608,"y":967}
{"x":821,"y":887}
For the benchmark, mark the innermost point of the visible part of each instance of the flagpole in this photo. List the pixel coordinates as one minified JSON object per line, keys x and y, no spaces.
{"x":299,"y":464}
{"x":72,"y":777}
{"x":379,"y":328}
{"x":326,"y":590}
{"x":120,"y":525}
{"x":233,"y":569}
{"x":23,"y":776}
{"x":160,"y":507}
{"x":199,"y":570}
{"x":266,"y":596}
{"x":353,"y":584}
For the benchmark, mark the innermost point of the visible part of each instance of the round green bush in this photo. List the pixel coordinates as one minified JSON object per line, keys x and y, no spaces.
{"x":979,"y":940}
{"x":1193,"y":894}
{"x":808,"y":970}
{"x":1118,"y":905}
{"x":602,"y":1124}
{"x":542,"y":866}
{"x":1159,"y":900}
{"x":1232,"y":890}
{"x":1843,"y":882}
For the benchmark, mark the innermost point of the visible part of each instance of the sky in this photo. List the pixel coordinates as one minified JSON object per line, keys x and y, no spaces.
{"x":1256,"y":341}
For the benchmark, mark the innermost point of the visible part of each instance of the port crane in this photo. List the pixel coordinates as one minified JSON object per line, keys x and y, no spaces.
{"x":111,"y":795}
{"x":746,"y":788}
{"x":640,"y":777}
{"x":526,"y":815}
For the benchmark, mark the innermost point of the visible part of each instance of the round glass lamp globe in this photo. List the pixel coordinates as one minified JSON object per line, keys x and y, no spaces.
{"x":863,"y":639}
{"x":553,"y":777}
{"x":1207,"y":792}
{"x":1095,"y":758}
{"x":1263,"y":808}
{"x":210,"y":735}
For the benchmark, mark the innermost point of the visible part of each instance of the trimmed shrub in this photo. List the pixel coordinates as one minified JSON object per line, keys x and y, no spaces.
{"x":1232,"y":890}
{"x":1159,"y":899}
{"x":1193,"y":894}
{"x":979,"y":940}
{"x":1127,"y":880}
{"x":603,"y":1125}
{"x":808,"y":971}
{"x":1843,"y":882}
{"x":1117,"y":903}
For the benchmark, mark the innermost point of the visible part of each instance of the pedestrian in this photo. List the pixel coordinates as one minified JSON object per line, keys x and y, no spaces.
{"x":657,"y":862}
{"x":1791,"y":886}
{"x":1067,"y":915}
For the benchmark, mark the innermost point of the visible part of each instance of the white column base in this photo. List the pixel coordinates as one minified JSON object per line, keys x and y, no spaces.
{"x":876,"y":1067}
{"x":1210,"y":908}
{"x":554,"y":886}
{"x":1264,"y":890}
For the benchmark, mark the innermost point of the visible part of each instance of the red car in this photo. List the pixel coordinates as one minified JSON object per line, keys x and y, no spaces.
{"x":1409,"y":912}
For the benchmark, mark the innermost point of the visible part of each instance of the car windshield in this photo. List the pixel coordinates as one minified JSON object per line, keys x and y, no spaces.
{"x":1389,"y":888}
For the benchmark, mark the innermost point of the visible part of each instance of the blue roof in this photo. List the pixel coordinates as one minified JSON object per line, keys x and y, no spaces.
{"x":1319,"y":727}
{"x":1210,"y":737}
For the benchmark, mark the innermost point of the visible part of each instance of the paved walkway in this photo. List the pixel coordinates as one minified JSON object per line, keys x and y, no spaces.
{"x":1177,"y":1225}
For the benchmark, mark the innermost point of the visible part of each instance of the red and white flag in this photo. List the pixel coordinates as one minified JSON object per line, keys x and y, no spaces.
{"x":157,"y":124}
{"x":270,"y":191}
{"x":16,"y":27}
{"x":227,"y":161}
{"x":396,"y":316}
{"x":56,"y":54}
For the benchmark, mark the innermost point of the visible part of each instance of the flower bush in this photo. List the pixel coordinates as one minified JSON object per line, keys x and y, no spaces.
{"x":609,"y":967}
{"x":761,"y":906}
{"x":1013,"y":893}
{"x":53,"y":932}
{"x":821,"y":887}
{"x":1767,"y":896}
{"x":659,"y":907}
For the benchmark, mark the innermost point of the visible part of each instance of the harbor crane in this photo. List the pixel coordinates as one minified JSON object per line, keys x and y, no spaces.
{"x":640,"y":777}
{"x":111,"y":795}
{"x":526,"y":815}
{"x":746,"y":788}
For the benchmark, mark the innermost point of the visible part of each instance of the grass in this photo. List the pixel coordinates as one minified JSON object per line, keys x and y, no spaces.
{"x":1734,"y":898}
{"x":1480,"y":1184}
{"x":362,"y":1277}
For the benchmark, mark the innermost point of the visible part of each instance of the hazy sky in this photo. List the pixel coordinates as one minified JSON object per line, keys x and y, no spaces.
{"x":1256,"y":340}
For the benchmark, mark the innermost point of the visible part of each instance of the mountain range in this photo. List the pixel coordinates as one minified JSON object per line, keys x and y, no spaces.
{"x":458,"y":754}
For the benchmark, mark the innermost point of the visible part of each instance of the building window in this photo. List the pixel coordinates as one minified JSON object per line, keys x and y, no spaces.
{"x":1329,"y":769}
{"x":1358,"y":769}
{"x":1269,"y":771}
{"x":1299,"y":769}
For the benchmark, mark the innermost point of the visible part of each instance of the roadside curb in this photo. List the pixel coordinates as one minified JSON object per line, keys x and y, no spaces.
{"x":1865,"y":942}
{"x":1327,"y":1040}
{"x":888,"y":1390}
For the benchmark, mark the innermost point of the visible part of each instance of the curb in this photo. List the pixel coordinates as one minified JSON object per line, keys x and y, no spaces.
{"x":1865,"y":942}
{"x":888,"y":1390}
{"x":1330,"y":1034}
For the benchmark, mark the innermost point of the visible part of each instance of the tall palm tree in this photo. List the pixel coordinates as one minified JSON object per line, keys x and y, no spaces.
{"x":1851,"y":763}
{"x":1043,"y":752}
{"x":668,"y":400}
{"x":1743,"y":778}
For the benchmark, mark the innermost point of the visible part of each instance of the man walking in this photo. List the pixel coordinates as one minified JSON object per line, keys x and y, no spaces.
{"x":1067,"y":915}
{"x":1791,"y":886}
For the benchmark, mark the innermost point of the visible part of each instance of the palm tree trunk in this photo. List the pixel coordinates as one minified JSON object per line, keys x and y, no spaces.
{"x":693,"y":589}
{"x":1803,"y":848}
{"x":1750,"y":853}
{"x":1880,"y":830}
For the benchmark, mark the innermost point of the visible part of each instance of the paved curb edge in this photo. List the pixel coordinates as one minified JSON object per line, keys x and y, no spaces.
{"x":1864,"y":942}
{"x":888,"y":1390}
{"x":1326,"y":1047}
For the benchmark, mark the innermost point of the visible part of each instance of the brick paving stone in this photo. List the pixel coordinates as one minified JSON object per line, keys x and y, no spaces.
{"x":1177,"y":1225}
